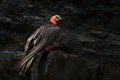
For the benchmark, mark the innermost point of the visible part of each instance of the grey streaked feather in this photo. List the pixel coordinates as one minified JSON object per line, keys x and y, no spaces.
{"x":36,"y":43}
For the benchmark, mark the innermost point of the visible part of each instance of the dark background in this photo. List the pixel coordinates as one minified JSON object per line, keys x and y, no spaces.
{"x":90,"y":35}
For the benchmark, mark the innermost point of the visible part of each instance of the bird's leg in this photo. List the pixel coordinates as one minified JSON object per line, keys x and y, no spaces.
{"x":48,"y":48}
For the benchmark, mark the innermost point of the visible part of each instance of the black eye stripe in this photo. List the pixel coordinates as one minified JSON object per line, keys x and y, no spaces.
{"x":57,"y":17}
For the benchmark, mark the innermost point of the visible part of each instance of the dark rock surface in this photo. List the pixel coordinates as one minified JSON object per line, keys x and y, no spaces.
{"x":88,"y":47}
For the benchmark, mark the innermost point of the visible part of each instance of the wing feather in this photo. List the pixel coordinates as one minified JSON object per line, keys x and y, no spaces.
{"x":36,"y":43}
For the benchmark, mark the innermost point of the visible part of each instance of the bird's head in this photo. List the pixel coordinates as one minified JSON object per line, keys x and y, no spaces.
{"x":56,"y":20}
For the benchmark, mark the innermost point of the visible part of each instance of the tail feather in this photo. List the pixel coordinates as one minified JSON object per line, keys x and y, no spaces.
{"x":28,"y":56}
{"x":22,"y":70}
{"x":24,"y":65}
{"x":27,"y":62}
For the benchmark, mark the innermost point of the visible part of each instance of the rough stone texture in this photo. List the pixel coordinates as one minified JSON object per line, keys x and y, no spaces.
{"x":87,"y":49}
{"x":64,"y":66}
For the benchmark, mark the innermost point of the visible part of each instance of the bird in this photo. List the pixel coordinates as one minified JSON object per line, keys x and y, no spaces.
{"x":40,"y":41}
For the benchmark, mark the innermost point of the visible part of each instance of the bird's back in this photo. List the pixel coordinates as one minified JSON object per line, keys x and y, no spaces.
{"x":36,"y":43}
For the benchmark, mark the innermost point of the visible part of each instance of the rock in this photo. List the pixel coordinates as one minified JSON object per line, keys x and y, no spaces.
{"x":8,"y":61}
{"x":70,"y":67}
{"x":89,"y":50}
{"x":114,"y":40}
{"x":99,"y":34}
{"x":84,"y":38}
{"x":115,"y":43}
{"x":5,"y":19}
{"x":21,"y":24}
{"x":116,"y":2}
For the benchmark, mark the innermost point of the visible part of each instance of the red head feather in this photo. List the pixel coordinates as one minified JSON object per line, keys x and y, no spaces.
{"x":56,"y":20}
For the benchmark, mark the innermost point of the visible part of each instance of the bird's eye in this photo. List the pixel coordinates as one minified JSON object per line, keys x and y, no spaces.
{"x":57,"y":17}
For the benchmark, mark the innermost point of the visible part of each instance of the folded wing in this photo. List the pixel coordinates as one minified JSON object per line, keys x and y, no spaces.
{"x":36,"y":43}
